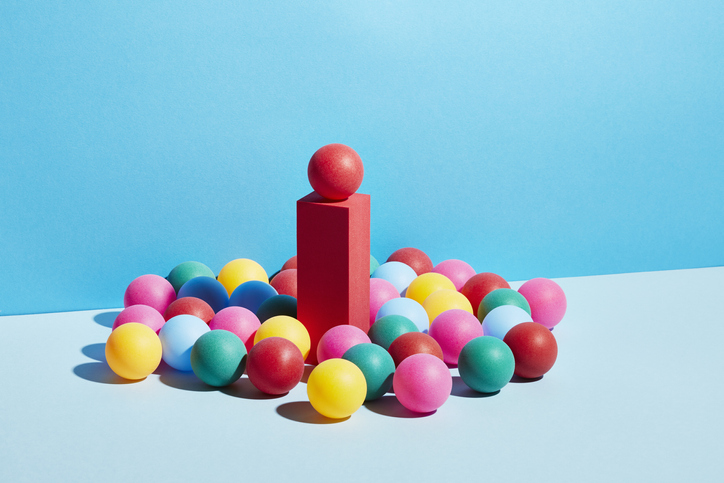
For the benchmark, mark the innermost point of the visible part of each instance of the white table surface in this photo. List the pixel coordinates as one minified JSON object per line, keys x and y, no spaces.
{"x":636,"y":395}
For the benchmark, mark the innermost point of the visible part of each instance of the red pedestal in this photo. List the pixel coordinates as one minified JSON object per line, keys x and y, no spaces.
{"x":333,"y":264}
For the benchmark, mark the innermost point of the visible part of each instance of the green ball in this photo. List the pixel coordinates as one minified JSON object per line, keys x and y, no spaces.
{"x":501,"y":296}
{"x":388,"y":328}
{"x":377,"y":366}
{"x":185,"y":271}
{"x":374,"y":264}
{"x":218,"y":358}
{"x":486,"y":364}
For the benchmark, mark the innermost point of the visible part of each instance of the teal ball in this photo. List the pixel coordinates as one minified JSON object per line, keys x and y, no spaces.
{"x":486,"y":364}
{"x":501,"y":296}
{"x":218,"y":358}
{"x":377,"y":366}
{"x":388,"y":328}
{"x":185,"y":271}
{"x":374,"y":265}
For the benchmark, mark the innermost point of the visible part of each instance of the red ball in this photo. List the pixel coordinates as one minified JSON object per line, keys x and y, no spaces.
{"x":190,"y":306}
{"x":534,"y":348}
{"x":481,"y":285}
{"x":291,"y":263}
{"x":414,"y":343}
{"x":275,"y":365}
{"x":414,"y":258}
{"x":285,"y":282}
{"x":335,"y":171}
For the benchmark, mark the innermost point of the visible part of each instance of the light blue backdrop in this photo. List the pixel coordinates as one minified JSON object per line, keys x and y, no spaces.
{"x":539,"y":138}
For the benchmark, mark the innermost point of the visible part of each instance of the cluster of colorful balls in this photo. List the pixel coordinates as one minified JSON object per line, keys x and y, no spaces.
{"x":424,"y":319}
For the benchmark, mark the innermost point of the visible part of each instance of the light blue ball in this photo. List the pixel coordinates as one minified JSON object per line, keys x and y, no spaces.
{"x":397,"y":273}
{"x":501,"y":319}
{"x":251,"y":294}
{"x":407,"y":308}
{"x":178,"y":336}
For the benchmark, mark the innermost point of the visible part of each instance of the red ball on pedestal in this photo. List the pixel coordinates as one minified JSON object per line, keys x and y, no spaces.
{"x":335,"y":171}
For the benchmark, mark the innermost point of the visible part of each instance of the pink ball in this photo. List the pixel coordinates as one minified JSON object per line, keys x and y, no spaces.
{"x":335,"y":342}
{"x":143,"y":314}
{"x":453,"y":329}
{"x":457,"y":271}
{"x":381,"y":291}
{"x":422,"y":383}
{"x":285,"y":282}
{"x":240,"y":321}
{"x":547,"y":301}
{"x":152,"y":290}
{"x":335,"y":171}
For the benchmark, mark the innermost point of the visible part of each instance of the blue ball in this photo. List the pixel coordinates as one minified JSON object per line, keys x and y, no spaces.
{"x":251,"y":294}
{"x":397,"y":273}
{"x":207,"y":289}
{"x":407,"y":308}
{"x":501,"y":319}
{"x":178,"y":336}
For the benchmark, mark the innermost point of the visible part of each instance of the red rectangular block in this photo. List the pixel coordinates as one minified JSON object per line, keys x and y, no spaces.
{"x":333,"y":264}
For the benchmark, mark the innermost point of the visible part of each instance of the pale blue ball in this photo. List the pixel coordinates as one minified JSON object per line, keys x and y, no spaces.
{"x":397,"y":273}
{"x":407,"y":308}
{"x":178,"y":336}
{"x":501,"y":319}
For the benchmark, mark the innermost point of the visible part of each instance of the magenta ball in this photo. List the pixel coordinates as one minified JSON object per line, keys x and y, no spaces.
{"x":152,"y":290}
{"x":335,"y":342}
{"x":143,"y":314}
{"x":335,"y":171}
{"x":457,"y":271}
{"x":381,"y":291}
{"x":453,"y":329}
{"x":238,"y":320}
{"x":422,"y":383}
{"x":547,"y":301}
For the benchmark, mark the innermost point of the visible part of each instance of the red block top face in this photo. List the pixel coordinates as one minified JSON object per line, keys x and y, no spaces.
{"x":333,"y":250}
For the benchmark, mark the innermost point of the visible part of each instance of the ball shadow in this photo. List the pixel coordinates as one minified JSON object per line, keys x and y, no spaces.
{"x":308,"y":368}
{"x":460,"y":389}
{"x":186,"y":381}
{"x":106,"y":319}
{"x":304,"y":412}
{"x":97,"y":352}
{"x":390,"y":406}
{"x":522,"y":380}
{"x":100,"y":372}
{"x":244,"y":389}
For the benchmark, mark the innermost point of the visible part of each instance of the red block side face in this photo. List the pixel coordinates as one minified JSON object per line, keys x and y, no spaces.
{"x":333,"y":250}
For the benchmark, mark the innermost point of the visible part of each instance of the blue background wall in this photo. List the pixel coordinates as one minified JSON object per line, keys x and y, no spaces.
{"x":539,"y":138}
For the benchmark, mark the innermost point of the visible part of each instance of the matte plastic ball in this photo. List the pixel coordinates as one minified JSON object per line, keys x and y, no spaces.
{"x":547,"y":301}
{"x":207,"y":289}
{"x":457,"y":271}
{"x":444,"y":300}
{"x":414,"y":343}
{"x":388,"y":328}
{"x":143,"y":314}
{"x":397,"y":273}
{"x":335,"y":171}
{"x":191,"y":306}
{"x":133,"y":351}
{"x":426,"y":284}
{"x":534,"y":347}
{"x":239,"y":321}
{"x":185,"y":271}
{"x":289,"y":264}
{"x":481,"y":285}
{"x":501,"y":296}
{"x":251,"y":294}
{"x":374,"y":264}
{"x":501,"y":319}
{"x":407,"y":308}
{"x":414,"y":258}
{"x":335,"y":342}
{"x":285,"y":282}
{"x":288,"y":328}
{"x":336,"y":388}
{"x":381,"y":291}
{"x":377,"y":366}
{"x":239,"y":271}
{"x":152,"y":290}
{"x":486,"y":364}
{"x":218,"y":358}
{"x":178,"y":336}
{"x":277,"y":305}
{"x":452,"y":330}
{"x":275,"y":365}
{"x":422,"y":383}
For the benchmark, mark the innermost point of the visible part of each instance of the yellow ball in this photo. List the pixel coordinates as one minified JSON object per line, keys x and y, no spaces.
{"x":239,"y":271}
{"x":446,"y":299}
{"x":336,"y":388}
{"x":287,"y":327}
{"x":133,"y":351}
{"x":426,"y":284}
